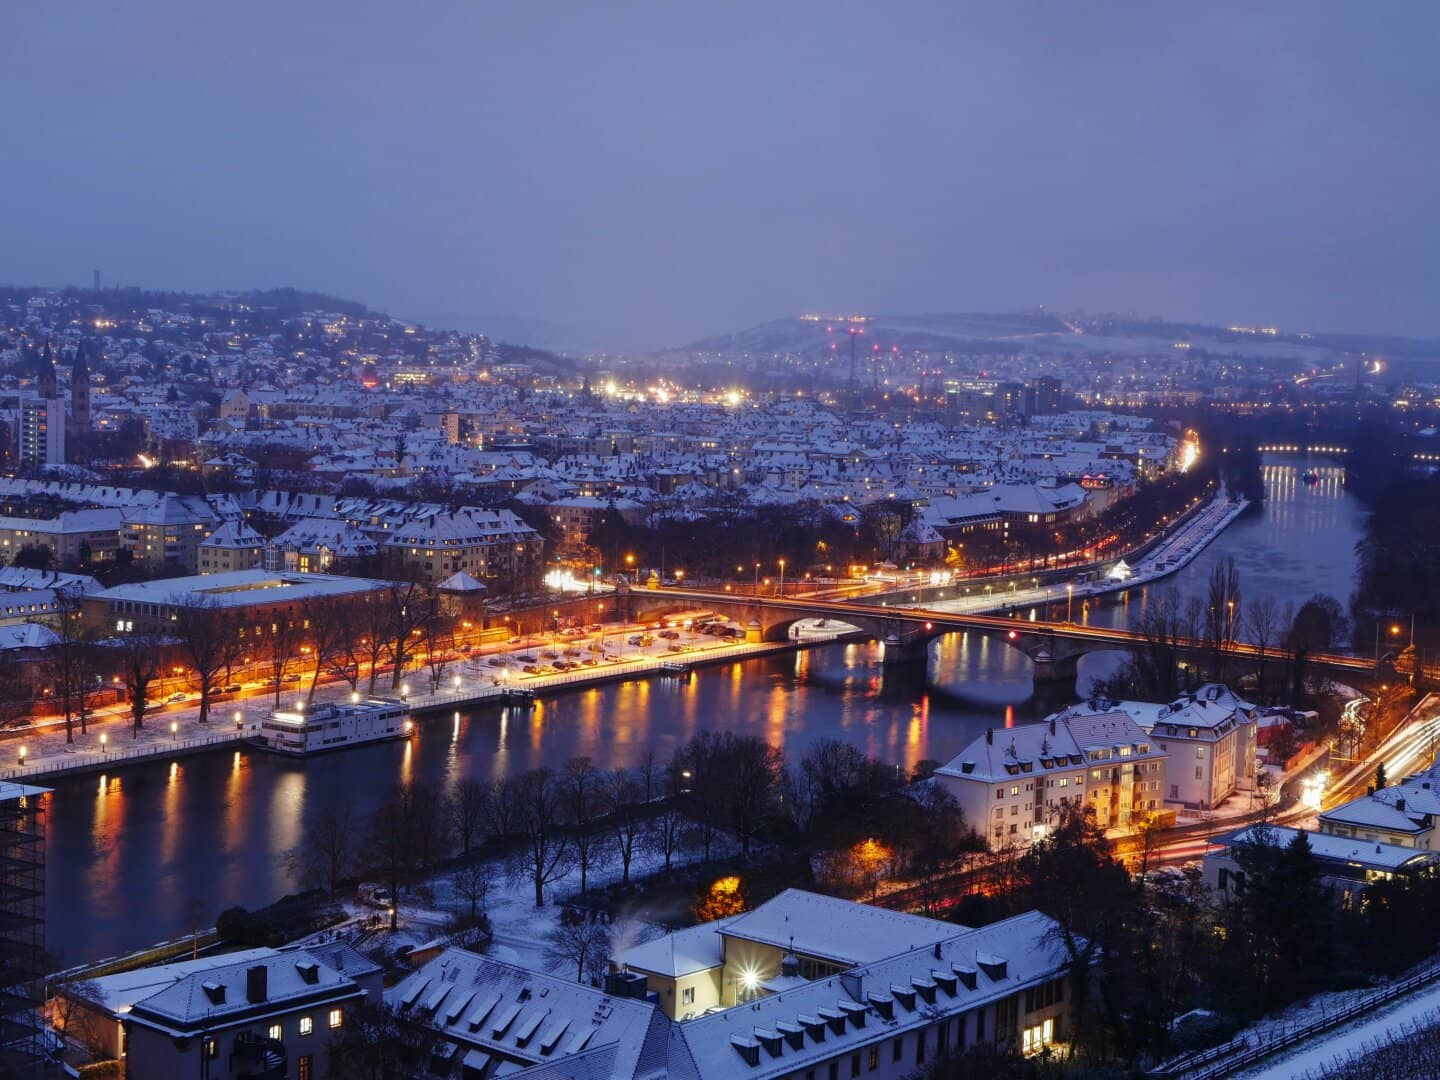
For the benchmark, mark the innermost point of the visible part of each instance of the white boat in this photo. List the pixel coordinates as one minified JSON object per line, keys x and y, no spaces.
{"x":333,"y":726}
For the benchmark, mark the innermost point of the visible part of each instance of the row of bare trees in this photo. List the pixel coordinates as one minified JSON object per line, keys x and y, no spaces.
{"x":349,"y":639}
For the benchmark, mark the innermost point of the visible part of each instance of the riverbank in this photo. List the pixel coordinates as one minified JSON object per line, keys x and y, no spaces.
{"x":111,"y":743}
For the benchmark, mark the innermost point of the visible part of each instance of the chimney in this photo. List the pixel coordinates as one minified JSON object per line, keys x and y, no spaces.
{"x":1052,"y":725}
{"x":1400,"y":805}
{"x":990,"y":736}
{"x":255,"y":983}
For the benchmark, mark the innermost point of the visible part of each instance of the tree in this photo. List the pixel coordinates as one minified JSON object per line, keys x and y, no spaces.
{"x":34,"y":557}
{"x":372,"y":621}
{"x":281,"y":647}
{"x":669,"y":826}
{"x":580,"y":785}
{"x":1223,"y":612}
{"x":326,"y":853}
{"x":725,"y":897}
{"x":334,"y":637}
{"x":437,"y":634}
{"x":68,"y":665}
{"x":581,"y":941}
{"x":210,"y":640}
{"x":409,"y":606}
{"x":1072,"y":876}
{"x":373,"y":1044}
{"x":406,"y":837}
{"x":728,"y":780}
{"x":545,"y":852}
{"x":621,"y":795}
{"x":140,"y":662}
{"x":468,"y":809}
{"x":1262,"y":623}
{"x":473,"y":882}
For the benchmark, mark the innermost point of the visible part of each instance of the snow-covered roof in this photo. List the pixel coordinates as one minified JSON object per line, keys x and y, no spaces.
{"x":830,"y":928}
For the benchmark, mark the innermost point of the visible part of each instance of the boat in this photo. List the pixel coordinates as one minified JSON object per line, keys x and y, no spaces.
{"x":1310,"y":476}
{"x":334,"y":726}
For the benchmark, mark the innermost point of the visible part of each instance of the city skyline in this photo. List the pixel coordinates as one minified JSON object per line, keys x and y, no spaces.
{"x":634,"y":178}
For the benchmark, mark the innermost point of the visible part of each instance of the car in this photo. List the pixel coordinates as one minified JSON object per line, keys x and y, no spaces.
{"x":515,"y":641}
{"x":234,"y":688}
{"x":292,"y":677}
{"x":179,"y":695}
{"x":526,"y":658}
{"x":496,"y":661}
{"x":670,"y":635}
{"x":549,"y":654}
{"x":531,"y":669}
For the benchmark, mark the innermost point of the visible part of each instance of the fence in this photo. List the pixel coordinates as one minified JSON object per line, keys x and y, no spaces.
{"x":1246,"y":1050}
{"x":90,"y":761}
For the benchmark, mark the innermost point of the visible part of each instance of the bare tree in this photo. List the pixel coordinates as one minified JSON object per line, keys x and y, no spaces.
{"x":544,"y":853}
{"x":502,"y":804}
{"x":1262,"y":623}
{"x":333,"y":637}
{"x":210,"y":640}
{"x":326,"y":852}
{"x":669,"y":827}
{"x":580,"y":785}
{"x":1223,"y":612}
{"x":406,"y":836}
{"x":582,"y":942}
{"x":140,"y":662}
{"x":281,"y":646}
{"x":469,"y":809}
{"x":66,"y":667}
{"x":473,"y":882}
{"x":622,"y":806}
{"x":372,"y":619}
{"x":409,"y":606}
{"x":438,"y":637}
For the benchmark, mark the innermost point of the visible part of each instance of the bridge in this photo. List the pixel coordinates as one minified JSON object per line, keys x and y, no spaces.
{"x":1054,"y":648}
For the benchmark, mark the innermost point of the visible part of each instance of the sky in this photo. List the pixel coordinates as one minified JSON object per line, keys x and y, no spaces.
{"x":632,"y":175}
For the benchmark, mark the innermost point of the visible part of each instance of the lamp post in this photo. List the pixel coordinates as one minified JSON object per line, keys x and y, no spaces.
{"x":757,"y":580}
{"x":782,"y":577}
{"x":22,"y":755}
{"x":1069,"y":600}
{"x":174,"y":731}
{"x":104,"y":739}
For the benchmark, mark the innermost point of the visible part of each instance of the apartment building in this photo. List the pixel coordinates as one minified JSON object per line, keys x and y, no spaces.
{"x":1012,"y":783}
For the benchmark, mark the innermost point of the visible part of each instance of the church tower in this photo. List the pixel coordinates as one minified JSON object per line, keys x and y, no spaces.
{"x":80,"y":392}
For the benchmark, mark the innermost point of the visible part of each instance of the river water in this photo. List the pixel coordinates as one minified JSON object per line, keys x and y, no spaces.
{"x":159,"y":849}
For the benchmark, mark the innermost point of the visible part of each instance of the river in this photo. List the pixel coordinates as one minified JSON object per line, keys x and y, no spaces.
{"x":159,"y":849}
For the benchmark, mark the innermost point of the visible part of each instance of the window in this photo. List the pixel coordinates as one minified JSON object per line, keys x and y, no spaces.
{"x":1199,"y":772}
{"x":1015,"y":790}
{"x":874,"y":1058}
{"x":920,"y":1046}
{"x":304,"y":1064}
{"x":307,"y":1025}
{"x":1038,"y":1037}
{"x":854,"y":1064}
{"x":999,"y":792}
{"x":210,"y":1048}
{"x":275,"y":1032}
{"x":899,"y":1048}
{"x":687,"y":996}
{"x":336,"y":1018}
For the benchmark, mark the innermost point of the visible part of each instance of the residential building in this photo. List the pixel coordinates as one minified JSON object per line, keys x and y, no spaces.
{"x":1347,"y":864}
{"x":489,"y":545}
{"x":169,"y":531}
{"x":270,"y":1013}
{"x":72,"y":537}
{"x":42,"y":431}
{"x":1404,"y":814}
{"x":233,"y":546}
{"x":925,"y":988}
{"x":1012,"y":783}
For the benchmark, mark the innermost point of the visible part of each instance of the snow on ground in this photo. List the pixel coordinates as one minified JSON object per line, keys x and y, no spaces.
{"x":1322,"y":1052}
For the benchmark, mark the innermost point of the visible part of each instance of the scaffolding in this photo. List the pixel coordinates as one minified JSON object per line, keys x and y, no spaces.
{"x":22,"y":928}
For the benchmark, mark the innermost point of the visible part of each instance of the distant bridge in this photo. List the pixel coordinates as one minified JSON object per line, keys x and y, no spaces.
{"x":1054,"y":648}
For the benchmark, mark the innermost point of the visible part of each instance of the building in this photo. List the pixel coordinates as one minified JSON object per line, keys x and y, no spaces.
{"x":1347,"y":865}
{"x":168,"y":531}
{"x":489,"y":545}
{"x":316,"y":544}
{"x":880,"y":995}
{"x":97,"y":1015}
{"x":270,"y":1013}
{"x":42,"y":431}
{"x":1210,"y":734}
{"x":1403,"y":814}
{"x":79,"y":394}
{"x":22,"y":928}
{"x":150,"y":606}
{"x":233,"y":546}
{"x":73,"y":537}
{"x":1012,"y":783}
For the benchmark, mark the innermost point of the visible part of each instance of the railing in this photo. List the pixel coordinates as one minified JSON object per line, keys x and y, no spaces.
{"x":91,"y":760}
{"x":1246,"y":1050}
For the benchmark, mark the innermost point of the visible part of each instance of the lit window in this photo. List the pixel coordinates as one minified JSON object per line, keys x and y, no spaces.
{"x":336,"y":1018}
{"x":275,"y":1032}
{"x":307,"y":1025}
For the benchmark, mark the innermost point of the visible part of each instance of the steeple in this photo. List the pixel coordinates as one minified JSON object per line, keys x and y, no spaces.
{"x":47,"y":372}
{"x":80,"y":392}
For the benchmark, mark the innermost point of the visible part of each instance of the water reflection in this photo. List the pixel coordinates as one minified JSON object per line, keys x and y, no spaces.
{"x":130,"y":854}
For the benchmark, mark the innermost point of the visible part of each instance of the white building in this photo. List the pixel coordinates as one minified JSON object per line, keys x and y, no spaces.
{"x":1012,"y":783}
{"x":42,"y":431}
{"x":939,"y":987}
{"x":1403,"y":814}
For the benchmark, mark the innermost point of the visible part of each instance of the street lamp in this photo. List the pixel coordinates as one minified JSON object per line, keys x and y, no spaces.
{"x":22,"y":754}
{"x":757,"y":578}
{"x":239,"y":719}
{"x":782,"y":577}
{"x":174,"y":731}
{"x":1069,"y":600}
{"x":104,"y":738}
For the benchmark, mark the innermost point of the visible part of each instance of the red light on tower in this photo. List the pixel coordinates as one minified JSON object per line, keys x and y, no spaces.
{"x":1012,"y":635}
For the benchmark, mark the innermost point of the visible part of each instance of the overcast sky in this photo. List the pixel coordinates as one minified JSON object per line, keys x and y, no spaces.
{"x":615,"y":172}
